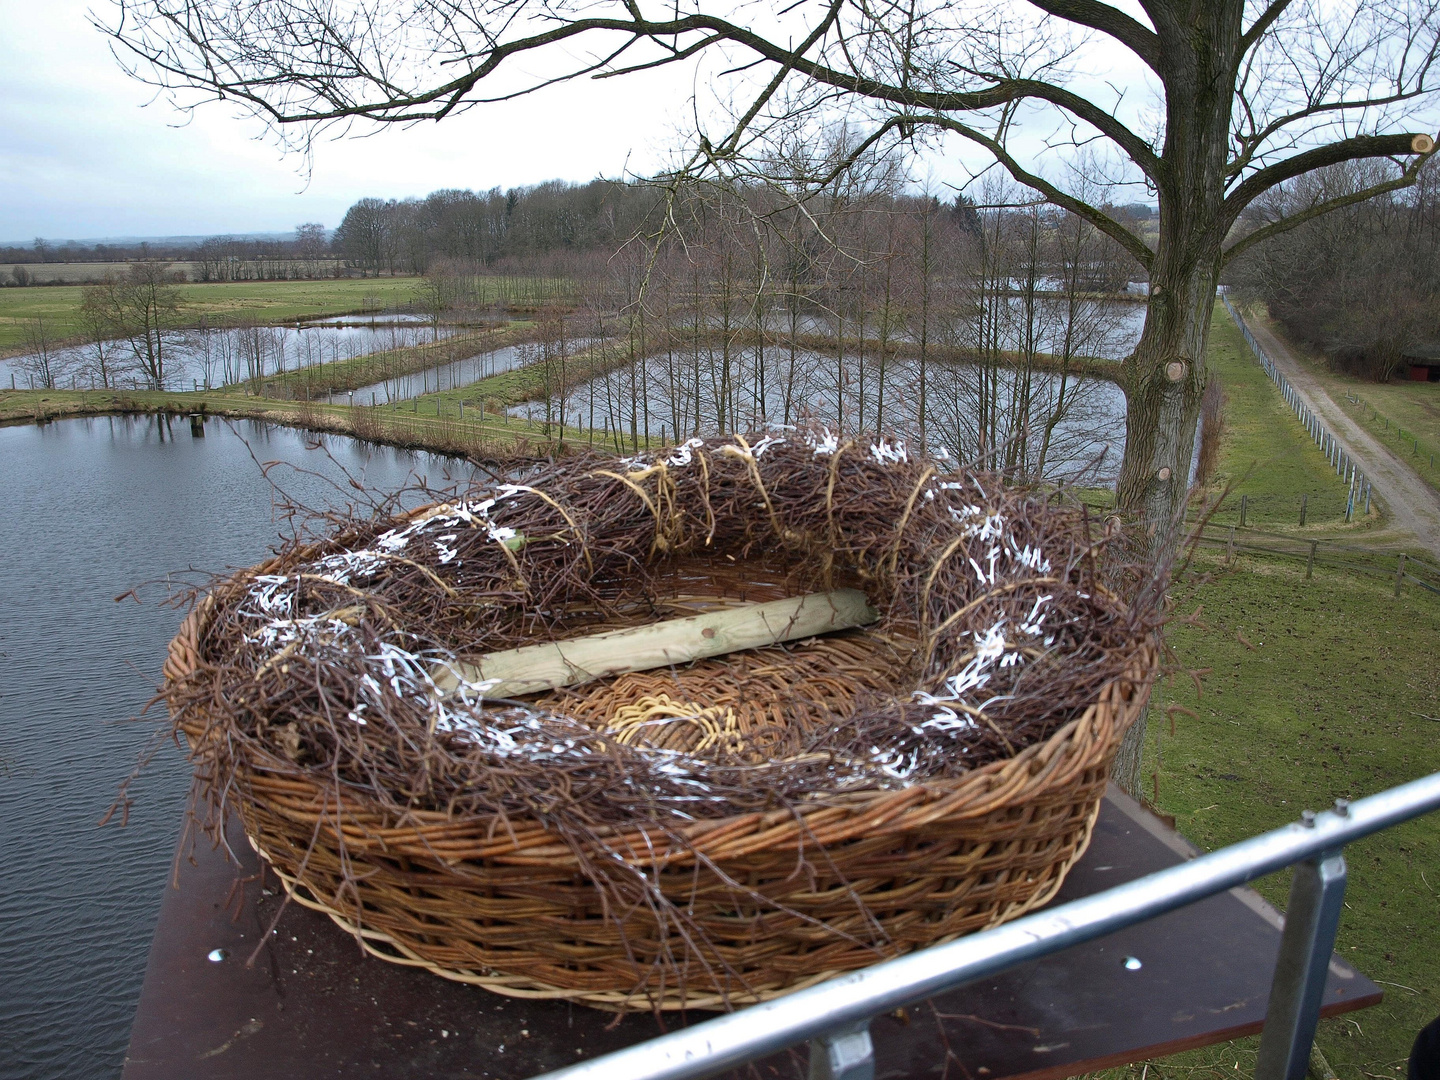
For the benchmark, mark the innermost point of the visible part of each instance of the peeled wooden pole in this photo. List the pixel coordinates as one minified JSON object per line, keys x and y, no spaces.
{"x":532,"y":668}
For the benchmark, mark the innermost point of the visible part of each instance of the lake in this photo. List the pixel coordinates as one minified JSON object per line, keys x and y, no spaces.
{"x":93,"y":508}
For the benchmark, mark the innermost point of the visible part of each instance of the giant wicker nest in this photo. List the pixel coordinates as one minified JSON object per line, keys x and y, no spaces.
{"x":701,"y":836}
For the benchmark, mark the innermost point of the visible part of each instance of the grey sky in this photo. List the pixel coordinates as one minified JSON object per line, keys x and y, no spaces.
{"x":83,"y":155}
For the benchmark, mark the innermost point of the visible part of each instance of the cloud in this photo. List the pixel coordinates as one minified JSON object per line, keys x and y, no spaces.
{"x":82,"y":154}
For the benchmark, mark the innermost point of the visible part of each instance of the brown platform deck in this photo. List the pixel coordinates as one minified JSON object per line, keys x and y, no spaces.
{"x":314,"y":1007}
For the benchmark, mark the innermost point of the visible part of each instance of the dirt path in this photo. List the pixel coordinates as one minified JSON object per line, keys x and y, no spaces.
{"x":1412,"y":503}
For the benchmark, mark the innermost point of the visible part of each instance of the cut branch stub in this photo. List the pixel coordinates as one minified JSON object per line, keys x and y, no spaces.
{"x":549,"y":665}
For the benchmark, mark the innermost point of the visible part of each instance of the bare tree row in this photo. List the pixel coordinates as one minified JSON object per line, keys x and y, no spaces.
{"x":1361,"y":283}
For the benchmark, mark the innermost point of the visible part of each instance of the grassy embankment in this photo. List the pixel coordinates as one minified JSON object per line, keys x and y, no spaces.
{"x":483,"y":437}
{"x":1400,"y":413}
{"x":372,"y":368}
{"x":1266,"y":453}
{"x":1313,"y":690}
{"x":260,"y":301}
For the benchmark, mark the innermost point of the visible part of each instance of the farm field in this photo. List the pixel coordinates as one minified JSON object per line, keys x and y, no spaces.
{"x":76,"y":272}
{"x":265,"y":301}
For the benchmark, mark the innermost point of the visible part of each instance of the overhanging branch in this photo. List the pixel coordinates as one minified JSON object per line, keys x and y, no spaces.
{"x":1352,"y":149}
{"x":1102,"y":221}
{"x":1285,"y":224}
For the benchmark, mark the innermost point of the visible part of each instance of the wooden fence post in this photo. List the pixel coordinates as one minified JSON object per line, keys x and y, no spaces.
{"x":1244,"y":503}
{"x":1304,"y":500}
{"x":1230,"y":553}
{"x":1310,"y":562}
{"x":1399,"y":575}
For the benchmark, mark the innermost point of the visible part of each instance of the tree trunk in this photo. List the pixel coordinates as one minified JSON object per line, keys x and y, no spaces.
{"x":1165,"y":376}
{"x":1166,"y":379}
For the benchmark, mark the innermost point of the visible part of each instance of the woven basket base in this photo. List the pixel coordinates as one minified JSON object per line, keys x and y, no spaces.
{"x":384,"y":947}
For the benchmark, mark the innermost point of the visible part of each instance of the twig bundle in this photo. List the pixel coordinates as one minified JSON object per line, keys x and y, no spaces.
{"x":703,"y":836}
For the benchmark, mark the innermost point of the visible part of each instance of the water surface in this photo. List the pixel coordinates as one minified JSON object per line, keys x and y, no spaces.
{"x":93,"y":508}
{"x":204,"y":357}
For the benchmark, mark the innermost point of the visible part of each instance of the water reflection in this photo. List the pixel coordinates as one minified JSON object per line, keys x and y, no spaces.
{"x":205,"y":357}
{"x":93,"y":508}
{"x":1039,"y":423}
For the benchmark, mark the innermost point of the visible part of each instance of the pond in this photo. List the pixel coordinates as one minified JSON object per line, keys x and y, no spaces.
{"x":215,"y":356}
{"x":96,"y":507}
{"x":1071,"y":431}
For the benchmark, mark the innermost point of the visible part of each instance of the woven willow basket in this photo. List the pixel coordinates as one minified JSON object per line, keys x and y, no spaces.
{"x":508,"y":906}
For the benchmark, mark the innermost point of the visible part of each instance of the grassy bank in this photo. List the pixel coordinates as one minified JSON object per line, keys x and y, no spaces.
{"x":392,"y":363}
{"x":1266,"y":455}
{"x":475,"y":435}
{"x":1311,"y":690}
{"x":262,"y":301}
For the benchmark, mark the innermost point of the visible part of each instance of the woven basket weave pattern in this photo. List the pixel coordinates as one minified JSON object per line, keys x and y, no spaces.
{"x":509,"y":909}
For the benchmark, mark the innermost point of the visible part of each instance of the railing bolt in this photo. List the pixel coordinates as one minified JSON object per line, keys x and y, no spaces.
{"x":847,"y":1054}
{"x":1307,"y":818}
{"x":1342,"y":807}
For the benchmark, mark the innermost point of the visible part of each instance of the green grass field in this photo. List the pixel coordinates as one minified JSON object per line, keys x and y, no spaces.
{"x":1336,"y":695}
{"x":1311,"y":690}
{"x":265,"y":301}
{"x":1397,"y":412}
{"x":1266,"y":454}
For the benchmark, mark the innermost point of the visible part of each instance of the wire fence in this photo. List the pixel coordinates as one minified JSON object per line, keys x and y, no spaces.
{"x":1357,"y":483}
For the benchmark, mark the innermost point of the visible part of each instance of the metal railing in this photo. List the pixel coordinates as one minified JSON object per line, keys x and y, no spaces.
{"x":1335,"y":452}
{"x":834,"y":1016}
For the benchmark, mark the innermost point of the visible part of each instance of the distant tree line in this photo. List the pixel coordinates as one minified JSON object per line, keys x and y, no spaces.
{"x":405,"y":236}
{"x":218,"y":258}
{"x":228,"y":258}
{"x":1360,"y":283}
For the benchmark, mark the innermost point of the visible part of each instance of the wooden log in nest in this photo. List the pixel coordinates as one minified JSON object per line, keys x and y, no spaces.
{"x":549,"y":665}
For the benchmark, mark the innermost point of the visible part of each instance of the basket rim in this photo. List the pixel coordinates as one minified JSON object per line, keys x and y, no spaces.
{"x":522,"y":841}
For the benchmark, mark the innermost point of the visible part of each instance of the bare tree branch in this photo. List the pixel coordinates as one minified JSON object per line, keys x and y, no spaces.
{"x":1406,"y":179}
{"x":1102,"y":221}
{"x":1137,"y":38}
{"x":1361,"y":146}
